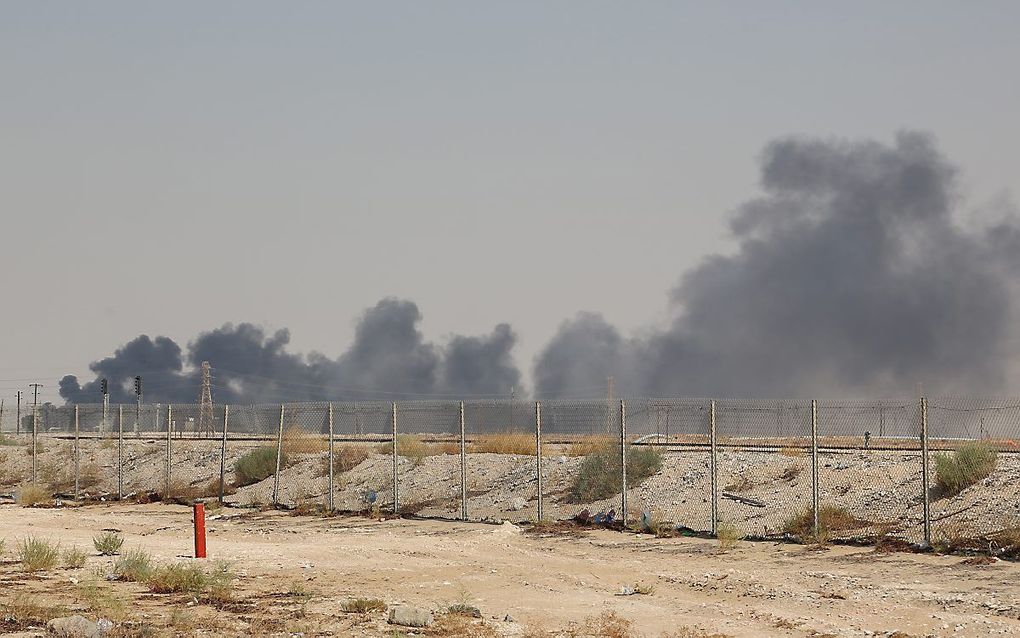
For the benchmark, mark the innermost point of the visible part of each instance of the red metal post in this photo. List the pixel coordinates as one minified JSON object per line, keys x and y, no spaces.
{"x":199,"y":509}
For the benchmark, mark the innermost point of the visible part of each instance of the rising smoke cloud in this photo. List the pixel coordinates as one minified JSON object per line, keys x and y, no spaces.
{"x":388,"y":358}
{"x":852,"y":275}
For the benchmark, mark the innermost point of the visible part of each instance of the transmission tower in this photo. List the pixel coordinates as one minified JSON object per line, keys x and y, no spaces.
{"x":205,"y":408}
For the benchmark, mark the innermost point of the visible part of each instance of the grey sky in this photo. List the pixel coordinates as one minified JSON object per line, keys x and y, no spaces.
{"x":165,"y":169}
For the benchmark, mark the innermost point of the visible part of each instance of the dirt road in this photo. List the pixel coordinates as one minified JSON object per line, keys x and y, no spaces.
{"x":294,"y":572}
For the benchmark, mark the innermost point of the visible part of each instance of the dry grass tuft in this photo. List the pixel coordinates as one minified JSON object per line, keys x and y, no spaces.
{"x":362,"y":605}
{"x":971,"y":463}
{"x":520,"y":443}
{"x":297,"y":440}
{"x":74,"y":558}
{"x":831,"y":518}
{"x":728,"y":535}
{"x":37,"y":554}
{"x":32,"y":494}
{"x":108,"y":543}
{"x":605,"y":625}
{"x":461,"y":626}
{"x":134,"y":566}
{"x":409,"y":446}
{"x":18,"y":613}
{"x":345,"y":458}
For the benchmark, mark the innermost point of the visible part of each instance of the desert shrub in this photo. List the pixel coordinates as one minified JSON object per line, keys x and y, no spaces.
{"x":448,"y":447}
{"x":966,"y":466}
{"x":345,"y":458}
{"x":831,"y":518}
{"x":257,"y":465}
{"x":108,"y":543}
{"x":22,"y":611}
{"x":101,"y":601}
{"x":134,"y":566}
{"x":1,"y":547}
{"x":37,"y":554}
{"x":5,"y":440}
{"x":297,"y":440}
{"x":598,"y":476}
{"x":362,"y":605}
{"x":220,"y":586}
{"x":506,"y":443}
{"x":727,"y":534}
{"x":32,"y":494}
{"x":75,"y":557}
{"x":409,"y":446}
{"x":177,"y":578}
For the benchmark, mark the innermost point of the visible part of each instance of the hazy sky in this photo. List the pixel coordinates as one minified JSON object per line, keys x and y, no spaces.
{"x":168,"y":168}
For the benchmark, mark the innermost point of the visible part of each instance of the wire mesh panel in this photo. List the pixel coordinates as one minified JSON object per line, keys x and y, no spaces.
{"x":428,"y":458}
{"x":501,"y":462}
{"x":764,"y":465}
{"x":586,"y":479}
{"x":974,"y":480}
{"x":251,"y":454}
{"x":97,"y":460}
{"x":304,"y":467}
{"x":669,"y":464}
{"x":362,"y":456}
{"x":869,"y":467}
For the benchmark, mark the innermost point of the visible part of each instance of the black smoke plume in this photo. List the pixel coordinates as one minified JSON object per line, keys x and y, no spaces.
{"x":853,"y":275}
{"x":389,"y":358}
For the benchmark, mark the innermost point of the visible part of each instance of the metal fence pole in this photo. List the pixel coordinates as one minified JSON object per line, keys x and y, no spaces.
{"x":463,"y":468}
{"x":223,"y":450}
{"x":329,"y":418}
{"x":713,"y":467}
{"x":35,"y":442}
{"x":393,"y":424}
{"x":623,"y":461}
{"x":538,"y":455}
{"x":924,"y":472}
{"x":169,"y":453}
{"x":120,"y":452}
{"x":279,"y":453}
{"x":814,"y":466}
{"x":77,"y":455}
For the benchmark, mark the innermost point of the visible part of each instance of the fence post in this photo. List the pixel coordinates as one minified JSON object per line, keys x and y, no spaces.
{"x":814,"y":466}
{"x":623,"y":461}
{"x":279,"y":453}
{"x":223,"y":450}
{"x":35,"y":441}
{"x":538,"y":454}
{"x":713,"y":467}
{"x":393,"y":425}
{"x":120,"y":452}
{"x":463,"y":467}
{"x":329,"y":417}
{"x":169,"y":453}
{"x":924,"y":472}
{"x":77,"y":455}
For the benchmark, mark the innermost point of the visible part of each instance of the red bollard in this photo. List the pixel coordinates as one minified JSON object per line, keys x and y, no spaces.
{"x":199,"y":509}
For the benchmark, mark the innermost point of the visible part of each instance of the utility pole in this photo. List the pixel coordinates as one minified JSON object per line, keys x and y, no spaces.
{"x":104,"y":387}
{"x":138,"y":405}
{"x":17,"y":425}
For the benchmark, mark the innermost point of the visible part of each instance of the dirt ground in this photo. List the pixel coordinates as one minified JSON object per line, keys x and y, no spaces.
{"x":294,"y":572}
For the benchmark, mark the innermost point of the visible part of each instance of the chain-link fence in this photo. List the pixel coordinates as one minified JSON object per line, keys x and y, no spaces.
{"x":940,"y":471}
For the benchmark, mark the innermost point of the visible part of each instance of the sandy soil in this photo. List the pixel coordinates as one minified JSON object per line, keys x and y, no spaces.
{"x":295,"y":571}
